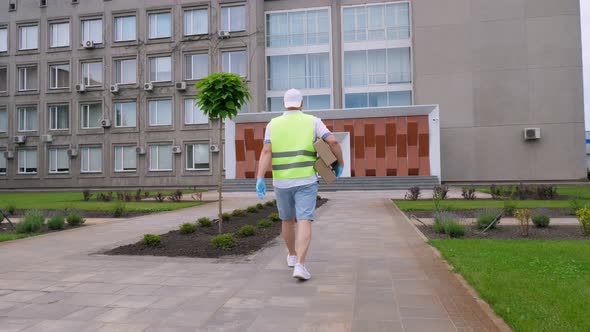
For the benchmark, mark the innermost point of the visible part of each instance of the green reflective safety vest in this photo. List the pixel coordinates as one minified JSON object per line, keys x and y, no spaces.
{"x":293,"y":155}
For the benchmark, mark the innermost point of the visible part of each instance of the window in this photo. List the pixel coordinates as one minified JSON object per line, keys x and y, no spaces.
{"x":59,"y":162}
{"x":196,"y":22}
{"x":234,"y":62}
{"x":28,"y":37}
{"x":91,"y":159}
{"x":92,"y":30}
{"x":160,"y":112}
{"x":298,"y":28}
{"x":301,"y":71}
{"x":373,"y":67}
{"x":3,"y":120}
{"x":59,"y":34}
{"x":197,"y":156}
{"x":233,"y":18}
{"x":27,"y":161}
{"x":91,"y":115}
{"x":125,"y":159}
{"x":59,"y":117}
{"x":376,"y":22}
{"x":314,"y":102}
{"x":160,"y":69}
{"x":27,"y":118}
{"x":378,"y":99}
{"x":125,"y":71}
{"x":92,"y":73}
{"x":27,"y":78}
{"x":193,"y":114}
{"x":125,"y":28}
{"x":160,"y":25}
{"x":196,"y":66}
{"x":3,"y":78}
{"x":161,"y":157}
{"x":2,"y":163}
{"x":3,"y":39}
{"x":59,"y":76}
{"x":125,"y":114}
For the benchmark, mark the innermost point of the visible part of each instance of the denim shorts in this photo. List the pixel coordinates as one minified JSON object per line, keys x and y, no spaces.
{"x":297,"y":202}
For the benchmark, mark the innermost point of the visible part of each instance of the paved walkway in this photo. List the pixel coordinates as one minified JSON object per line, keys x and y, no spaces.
{"x":371,"y":272}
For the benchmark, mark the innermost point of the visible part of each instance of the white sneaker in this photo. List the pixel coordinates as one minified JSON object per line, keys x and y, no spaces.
{"x":291,"y":260}
{"x":300,"y":272}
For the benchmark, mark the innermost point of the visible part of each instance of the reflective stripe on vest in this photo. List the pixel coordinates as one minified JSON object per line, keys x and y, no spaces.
{"x":293,"y":154}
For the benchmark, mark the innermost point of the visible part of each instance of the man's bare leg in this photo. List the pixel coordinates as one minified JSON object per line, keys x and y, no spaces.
{"x":288,"y":233}
{"x":303,"y":239}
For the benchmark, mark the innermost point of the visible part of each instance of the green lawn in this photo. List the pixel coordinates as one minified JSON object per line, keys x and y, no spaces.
{"x":459,"y":204}
{"x":74,"y":200}
{"x":10,"y":236}
{"x":533,"y":285}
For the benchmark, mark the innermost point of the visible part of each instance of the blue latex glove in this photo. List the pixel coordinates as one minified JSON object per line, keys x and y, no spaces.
{"x":339,"y":169}
{"x":260,"y":188}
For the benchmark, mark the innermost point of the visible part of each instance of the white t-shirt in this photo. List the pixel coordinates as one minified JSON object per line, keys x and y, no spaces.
{"x":321,"y":131}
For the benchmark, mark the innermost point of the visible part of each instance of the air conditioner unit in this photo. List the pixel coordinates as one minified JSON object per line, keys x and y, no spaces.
{"x":176,"y":149}
{"x":88,"y":44}
{"x":105,"y":123}
{"x":532,"y":134}
{"x":214,"y":148}
{"x":180,"y":86}
{"x":148,"y":87}
{"x":47,"y":138}
{"x":115,"y":88}
{"x":9,"y":154}
{"x":140,"y":150}
{"x":72,"y":153}
{"x":223,"y":34}
{"x":80,"y":87}
{"x":20,"y":139}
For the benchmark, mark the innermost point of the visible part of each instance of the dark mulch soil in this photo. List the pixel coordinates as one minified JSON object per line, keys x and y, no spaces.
{"x":198,"y":244}
{"x":472,"y":213}
{"x":513,"y":232}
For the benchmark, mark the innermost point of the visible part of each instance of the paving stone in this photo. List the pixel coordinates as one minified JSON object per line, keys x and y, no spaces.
{"x":63,"y":326}
{"x":377,"y":326}
{"x":98,"y":288}
{"x":139,"y":289}
{"x":112,"y":327}
{"x":22,"y":296}
{"x":93,"y":300}
{"x":135,"y":301}
{"x":15,"y":324}
{"x":51,"y":311}
{"x":421,"y":325}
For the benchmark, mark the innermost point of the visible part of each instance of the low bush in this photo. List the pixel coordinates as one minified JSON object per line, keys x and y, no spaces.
{"x":246,"y":230}
{"x":274,"y":216}
{"x":137,"y":196}
{"x":264,"y":223}
{"x":318,"y":197}
{"x":441,"y":192}
{"x":146,"y":194}
{"x":583,"y":216}
{"x":413,"y":194}
{"x":1,"y":217}
{"x":546,"y":192}
{"x":509,"y":207}
{"x":575,"y":204}
{"x":160,"y":197}
{"x":86,"y":194}
{"x":486,"y":217}
{"x":270,"y":203}
{"x":31,"y":223}
{"x":226,"y":216}
{"x":74,"y":219}
{"x":119,"y":209}
{"x":468,"y":193}
{"x":252,"y":209}
{"x":151,"y":240}
{"x":204,"y":222}
{"x":238,"y":213}
{"x":176,"y":196}
{"x":541,"y":218}
{"x":524,"y":218}
{"x":440,"y":219}
{"x":56,"y":223}
{"x":187,"y":228}
{"x":10,"y":208}
{"x":224,"y":241}
{"x":259,"y":206}
{"x":455,"y":229}
{"x":105,"y":197}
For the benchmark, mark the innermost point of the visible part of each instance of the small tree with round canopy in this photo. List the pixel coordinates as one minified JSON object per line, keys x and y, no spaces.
{"x":220,"y":96}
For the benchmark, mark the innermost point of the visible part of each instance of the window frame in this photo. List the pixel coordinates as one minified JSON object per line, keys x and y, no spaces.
{"x":20,"y":40}
{"x":158,"y":157}
{"x":230,"y":51}
{"x":149,"y":68}
{"x":3,"y":158}
{"x":115,"y":111}
{"x":82,"y":32}
{"x":18,"y":71}
{"x":87,"y":149}
{"x":191,"y":9}
{"x":150,"y":101}
{"x":192,"y":116}
{"x":5,"y":67}
{"x":83,"y":72}
{"x":115,"y":31}
{"x":26,"y":151}
{"x":51,"y":25}
{"x":7,"y":28}
{"x":87,"y":105}
{"x":149,"y":26}
{"x":49,"y":164}
{"x":53,"y":108}
{"x":122,"y":147}
{"x":51,"y":67}
{"x":4,"y":108}
{"x":192,"y":144}
{"x":184,"y":66}
{"x":19,"y":121}
{"x":229,"y":6}
{"x":121,"y":60}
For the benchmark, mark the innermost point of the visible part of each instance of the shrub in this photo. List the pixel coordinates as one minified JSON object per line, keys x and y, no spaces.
{"x":238,"y":213}
{"x":226,"y":216}
{"x":264,"y":223}
{"x":269,"y":204}
{"x":246,"y":230}
{"x":10,"y":208}
{"x":583,"y":215}
{"x":176,"y":196}
{"x":318,"y":197}
{"x":546,"y":192}
{"x":486,"y":217}
{"x":105,"y":197}
{"x":160,"y":197}
{"x":224,"y":241}
{"x":74,"y":219}
{"x":455,"y":229}
{"x":524,"y":218}
{"x":127,"y":196}
{"x":259,"y":206}
{"x":274,"y":216}
{"x":146,"y":194}
{"x":204,"y":222}
{"x":31,"y":223}
{"x":151,"y":240}
{"x":413,"y":194}
{"x":252,"y":209}
{"x":119,"y":209}
{"x":86,"y":195}
{"x":468,"y":193}
{"x":137,"y":196}
{"x":1,"y":217}
{"x":442,"y":218}
{"x":524,"y":191}
{"x":56,"y":223}
{"x":575,"y":204}
{"x":440,"y":191}
{"x":187,"y":228}
{"x":509,"y":207}
{"x":541,"y":218}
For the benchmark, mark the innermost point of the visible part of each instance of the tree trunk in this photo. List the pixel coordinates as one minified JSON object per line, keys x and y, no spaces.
{"x":220,"y":183}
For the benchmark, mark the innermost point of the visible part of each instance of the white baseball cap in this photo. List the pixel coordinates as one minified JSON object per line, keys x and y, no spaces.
{"x":293,"y":98}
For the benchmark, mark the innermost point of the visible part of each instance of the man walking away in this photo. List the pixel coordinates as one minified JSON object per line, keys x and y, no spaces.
{"x":288,"y":148}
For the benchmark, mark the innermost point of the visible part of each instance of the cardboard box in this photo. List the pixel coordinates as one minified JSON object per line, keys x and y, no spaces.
{"x":325,"y":159}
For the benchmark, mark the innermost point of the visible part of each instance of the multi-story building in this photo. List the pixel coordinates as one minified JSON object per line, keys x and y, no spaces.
{"x":99,"y":93}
